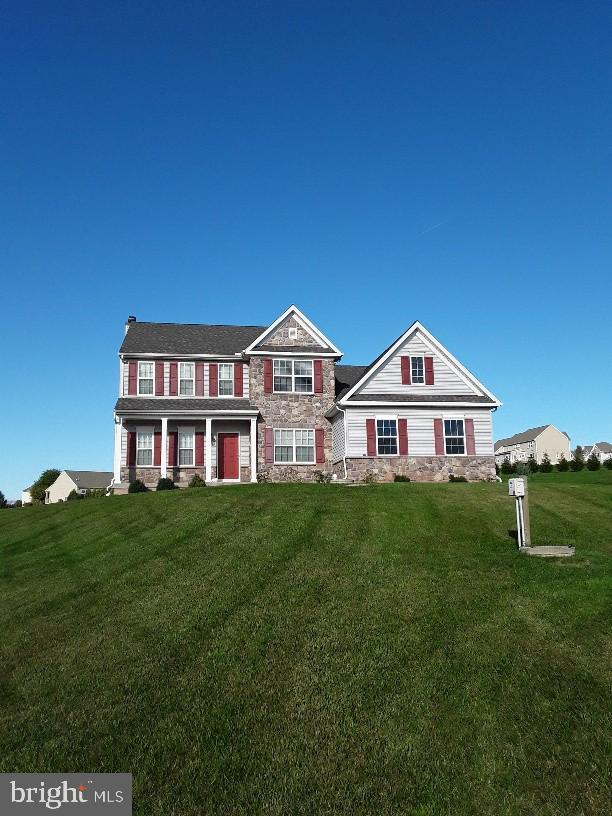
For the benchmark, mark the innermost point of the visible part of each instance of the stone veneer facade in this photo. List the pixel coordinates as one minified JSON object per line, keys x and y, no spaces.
{"x":417,"y":468}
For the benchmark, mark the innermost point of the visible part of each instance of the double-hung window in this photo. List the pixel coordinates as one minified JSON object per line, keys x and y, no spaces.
{"x":454,"y":437}
{"x":145,"y":378}
{"x":386,"y":437}
{"x":226,"y":379}
{"x":417,"y":366}
{"x":144,"y":448}
{"x":294,"y":446}
{"x":293,"y":375}
{"x":185,"y":447}
{"x":187,"y":380}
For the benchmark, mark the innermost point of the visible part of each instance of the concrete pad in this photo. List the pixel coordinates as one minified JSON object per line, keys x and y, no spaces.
{"x":550,"y":552}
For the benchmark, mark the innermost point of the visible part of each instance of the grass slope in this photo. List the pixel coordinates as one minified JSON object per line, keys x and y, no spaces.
{"x":314,"y":649}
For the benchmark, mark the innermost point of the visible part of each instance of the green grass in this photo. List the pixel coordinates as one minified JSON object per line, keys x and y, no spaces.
{"x":315,"y":649}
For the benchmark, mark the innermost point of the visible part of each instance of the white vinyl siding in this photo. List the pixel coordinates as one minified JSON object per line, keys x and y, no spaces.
{"x":421,"y":440}
{"x":388,"y":379}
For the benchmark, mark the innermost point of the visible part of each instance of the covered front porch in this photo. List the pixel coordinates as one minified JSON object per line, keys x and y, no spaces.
{"x":220,"y":447}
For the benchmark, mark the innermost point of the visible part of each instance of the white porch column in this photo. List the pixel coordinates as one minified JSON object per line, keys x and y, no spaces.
{"x":208,"y":456}
{"x":117,"y":456}
{"x":253,"y":449}
{"x":164,"y":448}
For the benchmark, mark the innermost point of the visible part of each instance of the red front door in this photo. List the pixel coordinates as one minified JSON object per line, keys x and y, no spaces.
{"x":227,"y":456}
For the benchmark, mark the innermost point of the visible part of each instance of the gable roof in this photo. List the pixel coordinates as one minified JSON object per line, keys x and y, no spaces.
{"x":325,"y":345}
{"x":463,"y":372}
{"x":525,"y":436}
{"x":347,"y":376}
{"x":90,"y":479}
{"x":604,"y":447}
{"x":187,"y":338}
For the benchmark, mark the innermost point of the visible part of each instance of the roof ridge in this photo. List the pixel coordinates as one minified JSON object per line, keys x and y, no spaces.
{"x":208,"y":325}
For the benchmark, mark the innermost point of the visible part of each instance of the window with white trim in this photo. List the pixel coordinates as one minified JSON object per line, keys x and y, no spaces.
{"x":187,"y":379}
{"x":386,"y":437}
{"x":417,"y":366}
{"x":454,"y":437}
{"x":226,"y":379}
{"x":145,"y":378}
{"x":293,"y":376}
{"x":144,"y":448}
{"x":294,"y":446}
{"x":185,"y":447}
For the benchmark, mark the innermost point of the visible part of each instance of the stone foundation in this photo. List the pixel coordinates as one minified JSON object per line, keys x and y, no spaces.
{"x":418,"y":468}
{"x":181,"y":476}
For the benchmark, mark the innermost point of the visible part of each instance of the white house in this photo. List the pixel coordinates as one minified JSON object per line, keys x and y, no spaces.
{"x":602,"y":450}
{"x":79,"y":480}
{"x":26,"y":496}
{"x":536,"y":442}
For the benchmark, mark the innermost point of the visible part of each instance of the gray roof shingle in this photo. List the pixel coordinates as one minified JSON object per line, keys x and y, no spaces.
{"x":525,"y":436}
{"x":204,"y":404}
{"x":90,"y":479}
{"x":187,"y":338}
{"x":347,"y":376}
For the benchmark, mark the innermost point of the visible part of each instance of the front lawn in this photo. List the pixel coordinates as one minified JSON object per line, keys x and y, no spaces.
{"x":315,"y":649}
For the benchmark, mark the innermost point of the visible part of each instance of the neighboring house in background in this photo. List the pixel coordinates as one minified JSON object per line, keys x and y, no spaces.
{"x":26,"y":497}
{"x":602,"y":450}
{"x":536,"y":442}
{"x":234,"y":403}
{"x":79,"y":480}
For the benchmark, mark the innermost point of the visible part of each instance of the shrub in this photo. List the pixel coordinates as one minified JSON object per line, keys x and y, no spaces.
{"x":45,"y":480}
{"x":562,"y":464}
{"x":522,"y":469}
{"x":532,"y":464}
{"x":321,"y":477}
{"x":3,"y":501}
{"x":593,"y":462}
{"x":497,"y":469}
{"x":453,"y":478}
{"x":369,"y":477}
{"x":263,"y":476}
{"x":546,"y":466}
{"x":96,"y":493}
{"x":165,"y":484}
{"x":196,"y":481}
{"x":608,"y":463}
{"x":74,"y":496}
{"x":137,"y":486}
{"x":507,"y":468}
{"x":576,"y":463}
{"x":401,"y":478}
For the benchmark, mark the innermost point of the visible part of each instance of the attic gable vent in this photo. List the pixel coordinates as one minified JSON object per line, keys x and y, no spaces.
{"x":292,"y":332}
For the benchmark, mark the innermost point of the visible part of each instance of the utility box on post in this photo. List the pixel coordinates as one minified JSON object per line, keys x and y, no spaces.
{"x":518,"y":489}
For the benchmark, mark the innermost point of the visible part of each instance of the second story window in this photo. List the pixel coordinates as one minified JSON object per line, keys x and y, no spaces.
{"x":186,"y":384}
{"x":417,"y":370}
{"x":145,"y":378}
{"x":226,"y":379}
{"x":293,"y":375}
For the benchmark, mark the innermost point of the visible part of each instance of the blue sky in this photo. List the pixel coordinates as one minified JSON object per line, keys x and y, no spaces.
{"x":374,"y":163}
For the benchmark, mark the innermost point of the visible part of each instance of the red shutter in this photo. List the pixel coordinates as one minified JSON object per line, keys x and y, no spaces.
{"x":159,"y":378}
{"x":319,"y":445}
{"x":439,"y":437}
{"x":269,"y":446}
{"x":405,"y":370}
{"x":199,"y":384}
{"x":237,"y":379}
{"x":132,"y":378}
{"x":213,"y":380}
{"x":318,"y":376}
{"x":470,"y":442}
{"x":157,"y":448}
{"x":267,"y":376}
{"x":371,"y":436}
{"x":199,"y":449}
{"x":173,"y":379}
{"x":402,"y":431}
{"x":131,"y":448}
{"x":429,"y":372}
{"x":172,"y":448}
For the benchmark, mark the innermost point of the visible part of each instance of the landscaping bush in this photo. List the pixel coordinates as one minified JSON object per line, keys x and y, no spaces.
{"x":576,"y":463}
{"x":74,"y":496}
{"x":562,"y":464}
{"x":137,"y":486}
{"x":507,"y":468}
{"x":263,"y":477}
{"x":196,"y":481}
{"x":400,"y":478}
{"x":321,"y":477}
{"x":453,"y":478}
{"x":165,"y":484}
{"x":522,"y":469}
{"x":593,"y":462}
{"x":608,"y":463}
{"x":532,"y":464}
{"x":546,"y":466}
{"x":369,"y":477}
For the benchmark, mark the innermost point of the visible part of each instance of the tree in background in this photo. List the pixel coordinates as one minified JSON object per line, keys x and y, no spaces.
{"x":532,"y":464}
{"x":562,"y":464}
{"x":593,"y":462}
{"x":546,"y":466}
{"x":3,"y":501}
{"x":608,"y":463}
{"x":45,"y":480}
{"x":507,"y":468}
{"x":577,"y":461}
